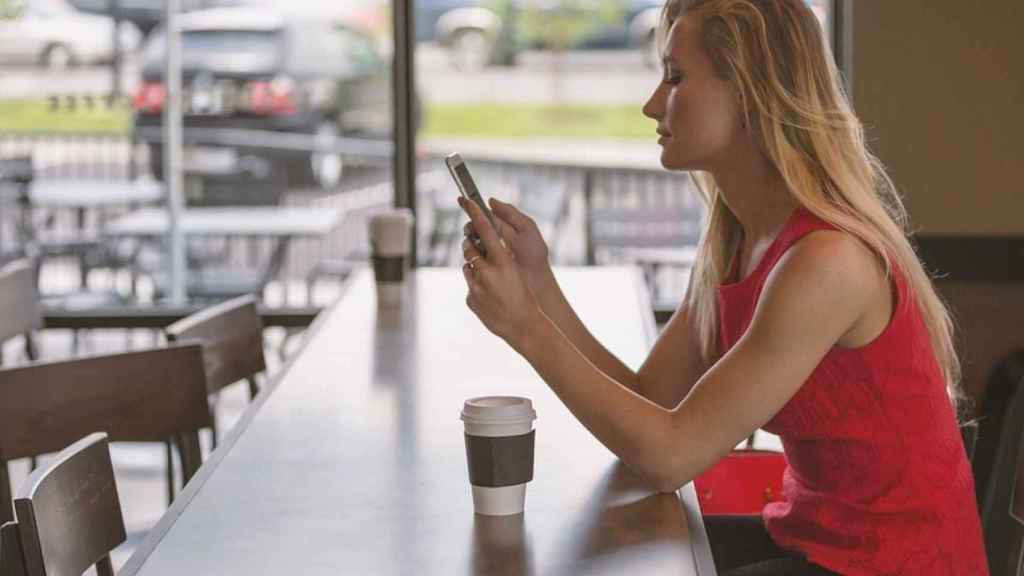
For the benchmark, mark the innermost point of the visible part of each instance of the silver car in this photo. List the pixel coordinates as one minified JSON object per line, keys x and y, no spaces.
{"x":54,"y":34}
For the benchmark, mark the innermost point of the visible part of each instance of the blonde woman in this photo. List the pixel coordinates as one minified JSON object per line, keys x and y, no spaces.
{"x":808,"y":315}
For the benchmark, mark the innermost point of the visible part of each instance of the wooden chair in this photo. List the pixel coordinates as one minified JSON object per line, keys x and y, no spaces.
{"x":1017,"y":518}
{"x":146,"y":396}
{"x":231,"y":334}
{"x":12,"y":562}
{"x":69,"y":513}
{"x":996,"y":463}
{"x":19,"y":305}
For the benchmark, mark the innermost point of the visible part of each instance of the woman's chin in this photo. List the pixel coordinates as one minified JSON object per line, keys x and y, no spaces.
{"x":670,"y":161}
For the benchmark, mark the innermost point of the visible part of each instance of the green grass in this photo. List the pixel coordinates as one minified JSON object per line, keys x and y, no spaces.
{"x":521,"y":121}
{"x":37,"y":116}
{"x":479,"y":120}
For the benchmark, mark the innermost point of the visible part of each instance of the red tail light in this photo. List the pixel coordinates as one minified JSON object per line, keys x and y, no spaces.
{"x":150,"y":97}
{"x":273,"y":98}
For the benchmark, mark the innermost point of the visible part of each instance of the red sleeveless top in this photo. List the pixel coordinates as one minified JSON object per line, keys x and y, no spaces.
{"x":877,"y":480}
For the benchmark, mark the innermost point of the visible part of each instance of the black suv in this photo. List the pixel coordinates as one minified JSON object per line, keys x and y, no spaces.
{"x":256,"y":68}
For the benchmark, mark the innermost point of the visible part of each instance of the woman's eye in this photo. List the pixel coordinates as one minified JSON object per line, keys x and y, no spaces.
{"x":673,"y":80}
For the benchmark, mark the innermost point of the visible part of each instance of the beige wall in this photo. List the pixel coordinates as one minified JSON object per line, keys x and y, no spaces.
{"x":940,"y":87}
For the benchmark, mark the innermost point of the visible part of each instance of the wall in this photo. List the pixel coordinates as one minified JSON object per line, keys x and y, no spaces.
{"x":940,"y":87}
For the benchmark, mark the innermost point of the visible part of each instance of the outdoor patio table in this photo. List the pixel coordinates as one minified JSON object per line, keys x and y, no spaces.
{"x":262,"y":221}
{"x":278,"y":223}
{"x":352,"y":460}
{"x":93,"y":194}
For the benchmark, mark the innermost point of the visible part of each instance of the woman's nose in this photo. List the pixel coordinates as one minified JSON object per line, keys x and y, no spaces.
{"x":653,"y":108}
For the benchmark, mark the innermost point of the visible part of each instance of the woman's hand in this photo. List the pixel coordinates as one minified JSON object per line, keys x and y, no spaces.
{"x":523,"y":238}
{"x":498,"y":293}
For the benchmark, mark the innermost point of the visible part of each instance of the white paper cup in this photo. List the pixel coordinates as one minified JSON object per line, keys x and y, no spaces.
{"x":390,"y":239}
{"x":499,"y":428}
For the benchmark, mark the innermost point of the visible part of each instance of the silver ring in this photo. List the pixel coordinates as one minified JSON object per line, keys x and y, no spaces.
{"x":472,"y":262}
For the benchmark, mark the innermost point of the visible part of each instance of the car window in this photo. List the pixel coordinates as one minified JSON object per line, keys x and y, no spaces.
{"x":359,"y":48}
{"x":330,"y":50}
{"x":251,"y":50}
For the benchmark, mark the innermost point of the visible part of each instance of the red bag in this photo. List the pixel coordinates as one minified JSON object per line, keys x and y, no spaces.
{"x":741,"y":483}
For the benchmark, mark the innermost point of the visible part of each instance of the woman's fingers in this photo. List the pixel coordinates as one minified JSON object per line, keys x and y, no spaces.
{"x":509,"y":213}
{"x":470,"y":249}
{"x":489,"y":236}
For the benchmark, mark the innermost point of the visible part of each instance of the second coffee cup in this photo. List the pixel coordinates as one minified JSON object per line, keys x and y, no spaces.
{"x":390,"y":238}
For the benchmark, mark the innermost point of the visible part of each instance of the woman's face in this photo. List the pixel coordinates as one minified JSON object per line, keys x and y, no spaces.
{"x":698,"y":113}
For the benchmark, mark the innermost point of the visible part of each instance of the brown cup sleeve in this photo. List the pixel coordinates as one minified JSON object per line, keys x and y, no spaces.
{"x":389,"y":268}
{"x":500,"y":461}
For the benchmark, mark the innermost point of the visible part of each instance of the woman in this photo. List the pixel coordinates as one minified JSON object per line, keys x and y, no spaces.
{"x":808,"y":314}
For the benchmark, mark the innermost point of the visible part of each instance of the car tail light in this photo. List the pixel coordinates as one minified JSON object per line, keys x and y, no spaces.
{"x":269,"y":98}
{"x":150,"y":97}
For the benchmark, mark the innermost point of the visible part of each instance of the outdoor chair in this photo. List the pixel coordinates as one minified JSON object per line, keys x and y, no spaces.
{"x":146,"y":396}
{"x":231,"y":336}
{"x":69,"y":513}
{"x":19,"y":306}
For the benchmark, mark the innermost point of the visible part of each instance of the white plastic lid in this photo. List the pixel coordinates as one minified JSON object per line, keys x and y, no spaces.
{"x":498,"y":410}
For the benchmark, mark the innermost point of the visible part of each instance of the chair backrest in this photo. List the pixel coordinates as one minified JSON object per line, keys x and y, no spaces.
{"x":19,"y":300}
{"x":147,"y":396}
{"x":231,"y":334}
{"x":69,"y":514}
{"x":12,"y":561}
{"x":995,"y":459}
{"x":1017,"y":519}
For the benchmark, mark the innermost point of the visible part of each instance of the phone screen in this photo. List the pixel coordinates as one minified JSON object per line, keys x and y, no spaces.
{"x":467,"y":186}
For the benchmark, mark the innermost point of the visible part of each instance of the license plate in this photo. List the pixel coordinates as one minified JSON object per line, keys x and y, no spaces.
{"x":207,"y":160}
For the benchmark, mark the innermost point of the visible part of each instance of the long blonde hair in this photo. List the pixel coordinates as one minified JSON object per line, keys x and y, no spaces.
{"x":774,"y":54}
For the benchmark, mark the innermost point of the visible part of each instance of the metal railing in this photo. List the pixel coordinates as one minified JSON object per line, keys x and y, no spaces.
{"x":602,"y":213}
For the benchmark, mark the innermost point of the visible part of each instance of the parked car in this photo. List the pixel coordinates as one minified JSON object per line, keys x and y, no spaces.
{"x":54,"y":34}
{"x":475,"y":34}
{"x":252,"y":67}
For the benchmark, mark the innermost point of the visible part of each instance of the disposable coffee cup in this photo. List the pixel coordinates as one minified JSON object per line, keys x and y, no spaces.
{"x":499,"y":452}
{"x":390,"y":238}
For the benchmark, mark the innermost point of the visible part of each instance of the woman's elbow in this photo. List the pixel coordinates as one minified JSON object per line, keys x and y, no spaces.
{"x":666,"y":481}
{"x":668,"y":485}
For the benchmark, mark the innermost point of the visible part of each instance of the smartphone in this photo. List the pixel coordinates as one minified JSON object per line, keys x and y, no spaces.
{"x":457,"y":166}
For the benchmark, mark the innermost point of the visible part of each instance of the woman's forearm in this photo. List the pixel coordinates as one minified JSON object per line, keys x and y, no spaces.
{"x":631,"y":426}
{"x":557,"y":308}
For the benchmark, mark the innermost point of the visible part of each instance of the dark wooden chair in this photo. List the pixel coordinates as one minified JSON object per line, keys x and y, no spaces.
{"x":69,"y":513}
{"x":1017,"y":517}
{"x":12,"y":562}
{"x":19,"y":305}
{"x":996,"y":462}
{"x":231,"y":334}
{"x":146,"y":396}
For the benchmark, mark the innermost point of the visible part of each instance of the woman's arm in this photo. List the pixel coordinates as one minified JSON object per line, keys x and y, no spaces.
{"x":674,"y":364}
{"x":818,"y":292}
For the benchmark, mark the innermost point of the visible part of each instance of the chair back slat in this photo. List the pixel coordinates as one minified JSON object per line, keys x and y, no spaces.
{"x":145,"y":396}
{"x":11,"y":559}
{"x":69,"y":513}
{"x":19,"y":300}
{"x":231,"y":334}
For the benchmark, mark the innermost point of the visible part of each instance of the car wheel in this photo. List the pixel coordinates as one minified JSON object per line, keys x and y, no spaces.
{"x":57,"y":57}
{"x":470,"y":50}
{"x":322,"y":170}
